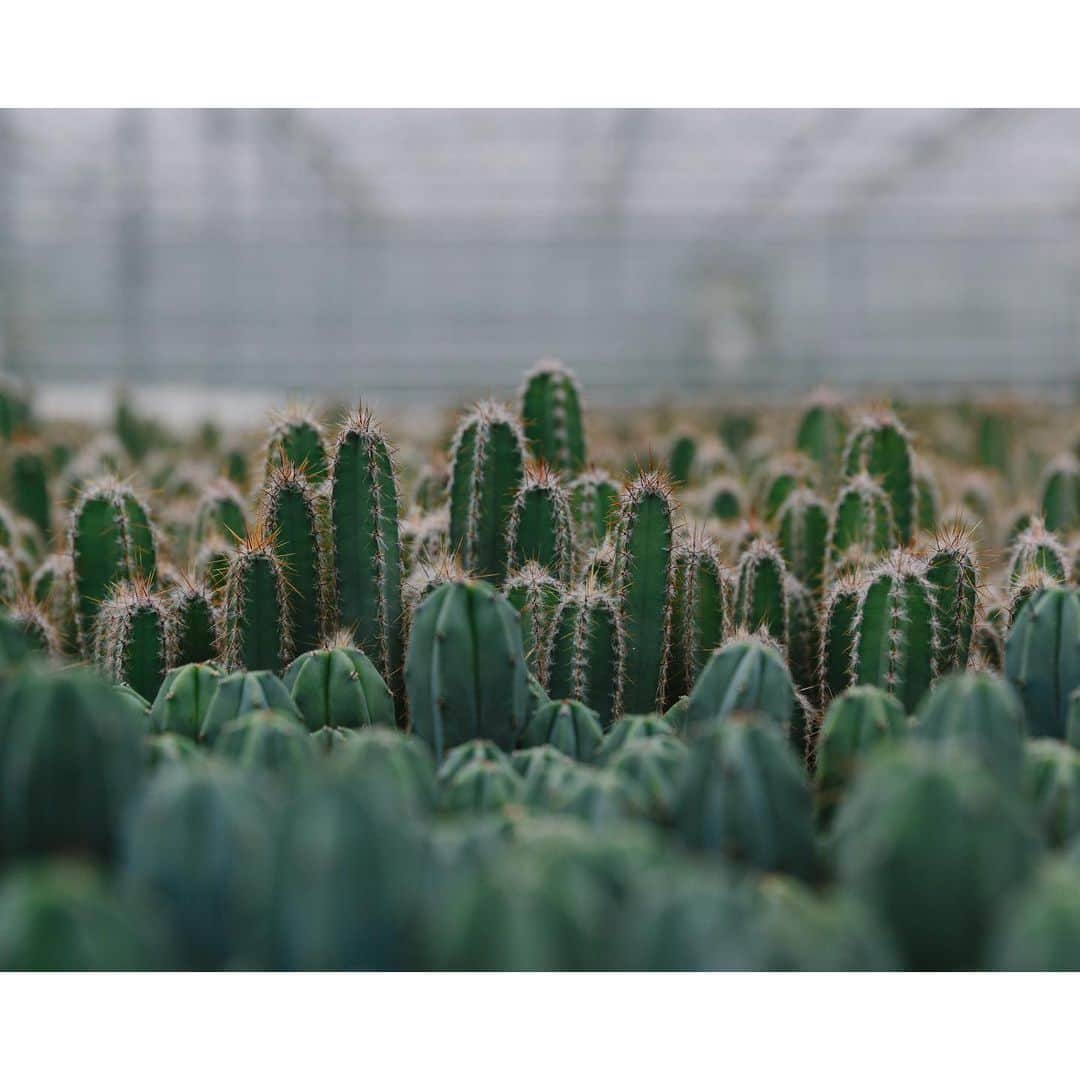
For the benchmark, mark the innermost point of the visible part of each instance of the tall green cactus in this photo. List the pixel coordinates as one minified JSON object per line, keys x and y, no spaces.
{"x":535,"y":595}
{"x":53,"y":587}
{"x":802,"y":533}
{"x":110,"y":540}
{"x":701,"y":614}
{"x":881,"y":446}
{"x":994,"y":440}
{"x":465,"y":671}
{"x":256,"y":620}
{"x":551,"y":413}
{"x":539,"y":528}
{"x":221,"y":512}
{"x":681,"y":458}
{"x":594,"y":498}
{"x":291,"y":514}
{"x":724,"y":499}
{"x":296,"y":438}
{"x":1061,"y":494}
{"x":862,"y":523}
{"x":783,"y":474}
{"x":586,"y":651}
{"x":135,"y":638}
{"x":803,"y":635}
{"x":953,"y":574}
{"x":366,"y":545}
{"x":30,"y":486}
{"x":32,"y":622}
{"x":927,"y":497}
{"x":896,"y":630}
{"x":643,"y":577}
{"x":760,"y":595}
{"x":195,"y":617}
{"x":822,"y":432}
{"x":1035,"y":548}
{"x":488,"y":464}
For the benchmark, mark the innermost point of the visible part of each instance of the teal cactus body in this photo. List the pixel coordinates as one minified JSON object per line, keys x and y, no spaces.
{"x":256,"y":614}
{"x":680,"y":458}
{"x":880,"y":446}
{"x":1061,"y":494}
{"x":953,"y":573}
{"x":838,"y":622}
{"x":822,"y":433}
{"x":539,"y":529}
{"x":802,"y":534}
{"x":221,"y":513}
{"x":243,"y":692}
{"x":480,"y":787}
{"x":927,"y":498}
{"x":267,"y":741}
{"x":183,"y":698}
{"x":594,"y":498}
{"x":862,"y":526}
{"x":783,"y":475}
{"x":629,"y":729}
{"x":30,"y":487}
{"x":296,"y":439}
{"x":1040,"y":931}
{"x":339,"y":687}
{"x":701,"y":613}
{"x":465,"y":672}
{"x":567,"y":725}
{"x":135,"y":638}
{"x":652,"y":770}
{"x":724,"y":499}
{"x":761,"y":600}
{"x":643,"y":577}
{"x":535,"y":595}
{"x":803,"y":637}
{"x":195,"y":618}
{"x":487,"y":468}
{"x":1051,"y":787}
{"x":32,"y":623}
{"x":364,"y":508}
{"x":1042,"y":658}
{"x":551,"y":411}
{"x":52,"y":586}
{"x":1035,"y":548}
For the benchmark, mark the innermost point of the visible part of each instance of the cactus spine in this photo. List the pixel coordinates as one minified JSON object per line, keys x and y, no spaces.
{"x":643,"y":576}
{"x":535,"y":595}
{"x":220,"y":513}
{"x":802,"y":533}
{"x":296,"y":438}
{"x":954,"y":576}
{"x":539,"y":527}
{"x":701,"y":613}
{"x":367,"y":548}
{"x":760,"y":595}
{"x":1037,"y":549}
{"x":551,"y":413}
{"x":862,"y":522}
{"x":135,"y":638}
{"x":257,"y":628}
{"x":881,"y":446}
{"x":594,"y":498}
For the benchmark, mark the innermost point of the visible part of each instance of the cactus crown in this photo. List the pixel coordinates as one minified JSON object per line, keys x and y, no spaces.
{"x":1037,"y":548}
{"x":256,"y":551}
{"x":128,"y":603}
{"x":296,"y":437}
{"x":539,"y":526}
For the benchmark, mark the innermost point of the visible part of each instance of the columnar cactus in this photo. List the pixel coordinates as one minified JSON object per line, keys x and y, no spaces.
{"x":291,"y":514}
{"x":366,"y":545}
{"x":802,"y":534}
{"x":240,"y":693}
{"x":53,"y":587}
{"x":539,"y":528}
{"x":1061,"y":494}
{"x":838,"y":633}
{"x":183,"y":700}
{"x":701,"y":613}
{"x":1035,"y":548}
{"x":1034,"y":582}
{"x":256,"y":619}
{"x":643,"y":577}
{"x":761,"y":599}
{"x":783,"y":475}
{"x":30,"y":487}
{"x":954,"y":577}
{"x":724,"y":499}
{"x":822,"y":432}
{"x":993,"y":440}
{"x":896,"y":630}
{"x":135,"y":637}
{"x":111,"y":540}
{"x":551,"y":413}
{"x":1042,"y":658}
{"x":594,"y":498}
{"x":296,"y":438}
{"x":465,"y":671}
{"x":567,"y":725}
{"x":431,"y":486}
{"x":535,"y":595}
{"x":32,"y":621}
{"x":211,"y":564}
{"x":488,"y":464}
{"x":195,"y":617}
{"x":862,"y":523}
{"x":681,"y":458}
{"x":586,"y":651}
{"x":881,"y":446}
{"x":927,"y":497}
{"x":804,"y":635}
{"x":221,"y":512}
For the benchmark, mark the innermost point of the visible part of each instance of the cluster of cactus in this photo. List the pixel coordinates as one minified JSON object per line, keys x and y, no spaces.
{"x":814,"y":707}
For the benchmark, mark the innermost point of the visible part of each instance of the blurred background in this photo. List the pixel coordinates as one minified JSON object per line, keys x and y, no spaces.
{"x":433,"y":255}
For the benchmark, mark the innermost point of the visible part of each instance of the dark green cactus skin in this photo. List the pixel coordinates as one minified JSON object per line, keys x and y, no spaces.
{"x":487,"y":467}
{"x":1041,"y":929}
{"x":539,"y":529}
{"x":881,"y":446}
{"x":14,"y":408}
{"x":931,"y":842}
{"x":394,"y":770}
{"x":1037,"y":549}
{"x":1033,"y":583}
{"x":700,"y":614}
{"x":1061,"y":494}
{"x":243,"y":692}
{"x":1042,"y":658}
{"x":196,"y":624}
{"x":1051,"y":786}
{"x":9,"y":579}
{"x":927,"y":498}
{"x":551,"y":414}
{"x":465,"y":672}
{"x":291,"y":513}
{"x":220,"y":513}
{"x":480,"y":787}
{"x":267,"y":742}
{"x":256,"y":620}
{"x":135,"y":639}
{"x":31,"y":621}
{"x":594,"y":498}
{"x":599,"y":565}
{"x":725,"y":499}
{"x":30,"y":488}
{"x":981,"y":714}
{"x":535,"y":595}
{"x":856,"y":722}
{"x":183,"y":700}
{"x":953,"y":574}
{"x":837,"y":635}
{"x":681,"y":458}
{"x":52,"y":586}
{"x":652,"y":770}
{"x":110,"y":542}
{"x":470,"y":753}
{"x":567,"y":725}
{"x":586,"y":652}
{"x":895,"y":645}
{"x":643,"y":579}
{"x":862,"y":522}
{"x":367,"y":548}
{"x":994,"y":441}
{"x":783,"y":476}
{"x":431,"y":485}
{"x":339,"y":687}
{"x":804,"y":636}
{"x":297,"y":439}
{"x":761,"y":600}
{"x":212,"y":565}
{"x":802,"y":533}
{"x":629,"y":729}
{"x":822,"y":433}
{"x":72,"y":758}
{"x":744,"y":795}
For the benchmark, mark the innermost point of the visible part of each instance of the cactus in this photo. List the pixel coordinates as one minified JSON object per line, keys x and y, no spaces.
{"x":110,"y":541}
{"x":681,"y":458}
{"x":135,"y":638}
{"x":487,"y":455}
{"x":953,"y":574}
{"x":183,"y":699}
{"x":761,"y":600}
{"x":567,"y":725}
{"x":1051,"y":786}
{"x":465,"y":672}
{"x":784,"y":475}
{"x":594,"y":498}
{"x":643,"y":575}
{"x":822,"y":433}
{"x":30,"y":487}
{"x":599,"y":565}
{"x":551,"y":414}
{"x":338,"y":686}
{"x":802,"y":534}
{"x":211,"y":564}
{"x":1061,"y":494}
{"x":629,"y":729}
{"x":860,"y":719}
{"x":52,"y":586}
{"x":480,"y":787}
{"x":32,"y":622}
{"x":535,"y":595}
{"x":724,"y":499}
{"x":1030,"y":584}
{"x":240,"y":693}
{"x":927,"y":498}
{"x":1034,"y":548}
{"x":804,"y":636}
{"x":195,"y":619}
{"x":586,"y":651}
{"x":539,"y":527}
{"x":881,"y":446}
{"x":896,"y":630}
{"x":652,"y":770}
{"x":296,"y":439}
{"x":367,"y":549}
{"x":290,"y":515}
{"x":701,"y":613}
{"x":1042,"y":658}
{"x":220,"y":512}
{"x":840,"y":607}
{"x":430,"y":492}
{"x":14,"y":407}
{"x":1040,"y":931}
{"x":256,"y":613}
{"x":994,"y":440}
{"x":268,"y":742}
{"x":861,"y":522}
{"x":10,"y":584}
{"x":393,"y":770}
